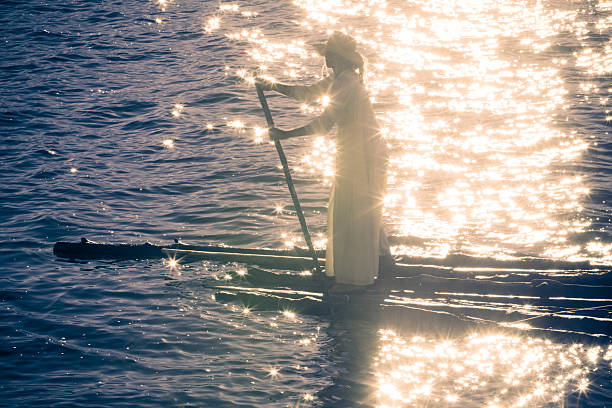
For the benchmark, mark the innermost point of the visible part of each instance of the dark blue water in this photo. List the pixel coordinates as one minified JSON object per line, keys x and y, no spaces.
{"x":88,"y":91}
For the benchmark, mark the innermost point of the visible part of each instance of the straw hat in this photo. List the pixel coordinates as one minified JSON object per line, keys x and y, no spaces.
{"x":342,"y":45}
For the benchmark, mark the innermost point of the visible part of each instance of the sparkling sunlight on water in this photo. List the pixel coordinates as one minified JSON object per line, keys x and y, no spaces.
{"x":490,"y":371}
{"x":472,"y":97}
{"x":473,"y":103}
{"x":139,"y":121}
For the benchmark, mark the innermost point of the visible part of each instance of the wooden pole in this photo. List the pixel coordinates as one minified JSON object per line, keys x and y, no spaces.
{"x":289,"y":179}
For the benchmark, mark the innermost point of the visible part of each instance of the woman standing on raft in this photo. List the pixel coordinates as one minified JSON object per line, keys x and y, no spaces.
{"x":354,"y":233}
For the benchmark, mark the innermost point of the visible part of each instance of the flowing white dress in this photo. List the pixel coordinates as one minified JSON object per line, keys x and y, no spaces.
{"x":355,"y":204}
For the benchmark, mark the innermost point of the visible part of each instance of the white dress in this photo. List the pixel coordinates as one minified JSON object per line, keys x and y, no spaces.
{"x":355,"y":203}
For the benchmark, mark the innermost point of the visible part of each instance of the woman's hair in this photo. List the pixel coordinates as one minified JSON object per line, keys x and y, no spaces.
{"x":361,"y":70}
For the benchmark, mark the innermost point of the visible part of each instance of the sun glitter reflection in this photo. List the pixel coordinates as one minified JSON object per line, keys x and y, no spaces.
{"x":481,"y":370}
{"x":473,"y":100}
{"x":163,"y":4}
{"x":178,"y":110}
{"x":212,"y":24}
{"x":259,"y":134}
{"x":477,"y":155}
{"x":172,"y":263}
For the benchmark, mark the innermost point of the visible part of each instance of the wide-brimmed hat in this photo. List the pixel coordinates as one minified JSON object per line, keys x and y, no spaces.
{"x":342,"y":45}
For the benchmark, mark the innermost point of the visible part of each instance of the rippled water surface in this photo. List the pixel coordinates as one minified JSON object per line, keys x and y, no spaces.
{"x":134,"y":121}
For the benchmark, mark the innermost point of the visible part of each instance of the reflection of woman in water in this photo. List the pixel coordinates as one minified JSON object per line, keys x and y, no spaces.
{"x":354,"y":232}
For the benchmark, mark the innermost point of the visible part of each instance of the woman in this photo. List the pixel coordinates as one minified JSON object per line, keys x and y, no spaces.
{"x":354,"y":233}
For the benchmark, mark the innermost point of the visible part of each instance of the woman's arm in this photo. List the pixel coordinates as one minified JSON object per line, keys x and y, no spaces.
{"x":320,"y":125}
{"x":342,"y":94}
{"x":303,"y":93}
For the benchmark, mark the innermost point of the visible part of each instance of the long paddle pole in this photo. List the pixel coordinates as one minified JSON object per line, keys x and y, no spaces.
{"x":294,"y":197}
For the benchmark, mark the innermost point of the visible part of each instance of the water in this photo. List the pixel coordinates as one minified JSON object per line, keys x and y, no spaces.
{"x":129,"y":121}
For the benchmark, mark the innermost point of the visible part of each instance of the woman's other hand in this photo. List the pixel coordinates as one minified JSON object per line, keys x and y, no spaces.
{"x":264,"y":84}
{"x":277,"y":134}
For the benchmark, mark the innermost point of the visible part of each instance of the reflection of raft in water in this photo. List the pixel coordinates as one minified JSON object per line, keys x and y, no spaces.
{"x":458,"y":291}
